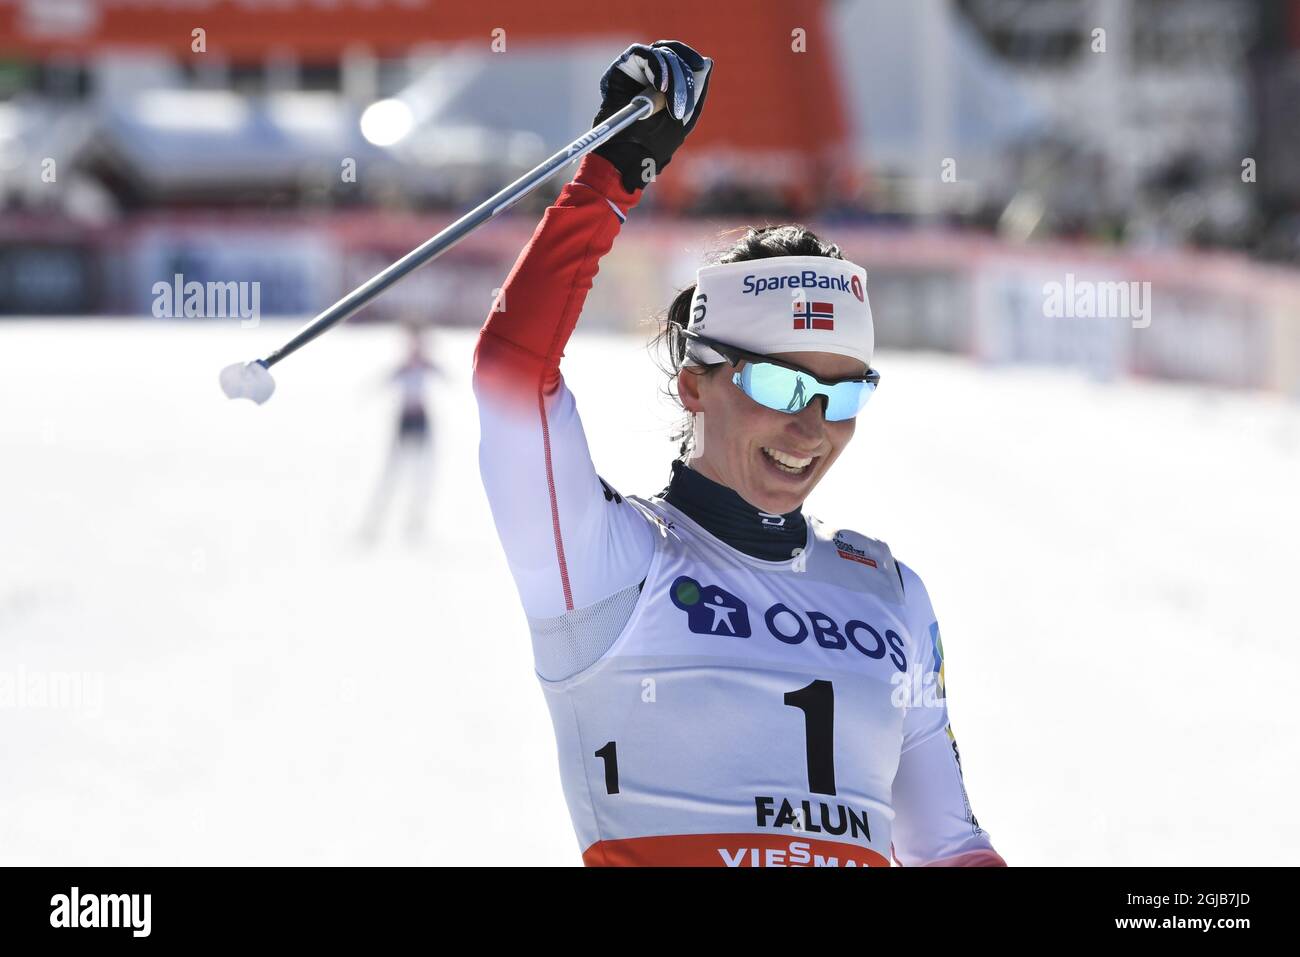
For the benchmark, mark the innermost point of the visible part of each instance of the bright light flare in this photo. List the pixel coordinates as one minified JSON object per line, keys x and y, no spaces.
{"x":385,"y":122}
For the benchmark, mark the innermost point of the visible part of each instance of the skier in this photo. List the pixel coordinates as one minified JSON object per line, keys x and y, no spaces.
{"x":412,"y":447}
{"x":731,"y":681}
{"x":797,"y":398}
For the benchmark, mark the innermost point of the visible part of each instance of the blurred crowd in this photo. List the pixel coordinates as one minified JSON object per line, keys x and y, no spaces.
{"x":1136,"y":121}
{"x":316,"y":142}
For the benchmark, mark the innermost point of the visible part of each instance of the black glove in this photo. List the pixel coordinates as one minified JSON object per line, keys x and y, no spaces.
{"x":678,"y":72}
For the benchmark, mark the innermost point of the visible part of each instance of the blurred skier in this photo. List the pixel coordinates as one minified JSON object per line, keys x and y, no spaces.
{"x":411,"y":451}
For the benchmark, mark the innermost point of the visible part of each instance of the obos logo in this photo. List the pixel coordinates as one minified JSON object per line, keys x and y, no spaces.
{"x":711,"y":610}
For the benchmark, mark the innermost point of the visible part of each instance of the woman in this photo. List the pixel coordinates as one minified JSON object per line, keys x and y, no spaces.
{"x":721,"y":669}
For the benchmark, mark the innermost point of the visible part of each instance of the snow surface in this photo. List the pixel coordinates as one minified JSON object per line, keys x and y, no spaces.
{"x":1114,"y":567}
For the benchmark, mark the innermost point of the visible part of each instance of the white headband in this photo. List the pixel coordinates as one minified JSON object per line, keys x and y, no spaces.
{"x":782,"y":304}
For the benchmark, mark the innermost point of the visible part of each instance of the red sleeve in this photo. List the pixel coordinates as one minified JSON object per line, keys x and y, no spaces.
{"x":521,"y":344}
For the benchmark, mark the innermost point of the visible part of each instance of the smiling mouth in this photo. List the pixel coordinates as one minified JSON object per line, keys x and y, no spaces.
{"x":787,"y":464}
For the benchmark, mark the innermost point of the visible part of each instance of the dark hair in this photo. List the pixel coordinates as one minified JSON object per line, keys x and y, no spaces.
{"x":759,"y":242}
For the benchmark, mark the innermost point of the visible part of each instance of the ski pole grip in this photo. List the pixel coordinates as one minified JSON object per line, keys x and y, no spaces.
{"x":656,"y":99}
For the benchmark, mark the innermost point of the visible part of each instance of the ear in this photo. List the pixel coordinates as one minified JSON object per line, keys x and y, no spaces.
{"x":688,"y":387}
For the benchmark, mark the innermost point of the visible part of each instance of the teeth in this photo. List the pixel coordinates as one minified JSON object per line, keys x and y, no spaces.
{"x":787,"y":463}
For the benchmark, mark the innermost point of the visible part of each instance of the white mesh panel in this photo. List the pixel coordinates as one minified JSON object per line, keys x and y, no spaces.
{"x":565,"y":645}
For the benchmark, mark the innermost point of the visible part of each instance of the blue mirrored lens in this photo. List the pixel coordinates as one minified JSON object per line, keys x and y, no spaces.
{"x":846,"y":399}
{"x":789,"y":391}
{"x":776,"y":387}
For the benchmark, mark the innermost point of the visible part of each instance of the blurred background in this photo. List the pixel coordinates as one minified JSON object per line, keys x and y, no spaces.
{"x":287,"y":634}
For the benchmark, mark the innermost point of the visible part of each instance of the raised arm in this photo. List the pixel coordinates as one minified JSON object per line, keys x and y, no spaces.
{"x":568,"y":544}
{"x":933,"y":822}
{"x":577,"y":550}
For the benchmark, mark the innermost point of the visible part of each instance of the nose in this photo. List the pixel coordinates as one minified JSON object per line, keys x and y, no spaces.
{"x":810,"y":421}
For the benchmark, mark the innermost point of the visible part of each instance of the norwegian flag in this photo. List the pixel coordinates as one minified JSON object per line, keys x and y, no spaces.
{"x":814,"y":315}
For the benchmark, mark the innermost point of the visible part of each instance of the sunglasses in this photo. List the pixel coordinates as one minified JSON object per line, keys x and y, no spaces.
{"x":787,"y":388}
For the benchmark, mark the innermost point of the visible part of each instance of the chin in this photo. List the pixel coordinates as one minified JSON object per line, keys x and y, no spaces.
{"x":775,"y":501}
{"x":779,"y":492}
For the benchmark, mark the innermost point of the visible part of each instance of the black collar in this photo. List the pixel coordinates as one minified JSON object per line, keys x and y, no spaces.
{"x":725,"y":515}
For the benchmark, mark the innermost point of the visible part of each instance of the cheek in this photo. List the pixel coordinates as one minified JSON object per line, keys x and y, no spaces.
{"x":718,"y":399}
{"x":737,"y":421}
{"x":840,"y":433}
